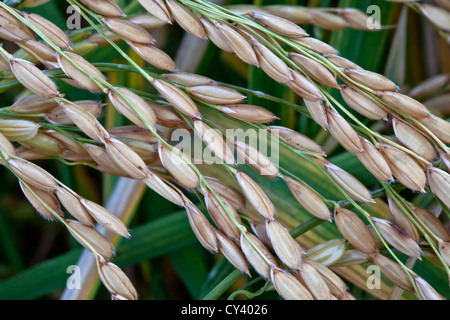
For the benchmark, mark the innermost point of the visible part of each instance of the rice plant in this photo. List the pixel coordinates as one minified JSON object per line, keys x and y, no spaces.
{"x":192,"y":149}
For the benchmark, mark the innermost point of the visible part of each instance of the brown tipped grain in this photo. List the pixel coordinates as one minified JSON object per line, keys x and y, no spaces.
{"x":255,"y":195}
{"x":411,"y":138}
{"x":116,"y":281}
{"x":256,"y":159}
{"x":201,"y":227}
{"x":238,"y":44}
{"x":371,"y":79}
{"x":177,"y":166}
{"x":404,"y":168}
{"x":374,"y":161}
{"x":288,"y":286}
{"x":271,"y":64}
{"x":126,"y":159}
{"x":158,"y":9}
{"x":40,"y":200}
{"x":214,"y":141}
{"x":72,"y":70}
{"x":352,"y":186}
{"x":314,"y":69}
{"x":363,"y":104}
{"x":404,"y":104}
{"x":177,"y":98}
{"x":216,"y":94}
{"x":221,"y":217}
{"x":304,"y":87}
{"x":396,"y":237}
{"x":279,"y":25}
{"x":33,"y":78}
{"x":104,"y":7}
{"x":439,"y":182}
{"x":233,"y":196}
{"x":186,"y":19}
{"x":50,"y":30}
{"x":260,"y":258}
{"x":121,"y":99}
{"x":343,"y":132}
{"x":355,"y":231}
{"x":128,"y":30}
{"x":308,"y":199}
{"x":286,"y":248}
{"x":393,"y":271}
{"x":89,"y":238}
{"x":247,"y":112}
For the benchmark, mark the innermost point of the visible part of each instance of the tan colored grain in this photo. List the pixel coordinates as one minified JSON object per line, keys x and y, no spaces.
{"x":328,"y":252}
{"x":288,"y":286}
{"x":128,"y":30}
{"x":116,"y":281}
{"x":286,"y":248}
{"x":439,"y":182}
{"x":40,"y":199}
{"x":396,"y":237}
{"x":352,"y":186}
{"x":404,"y":168}
{"x":247,"y":112}
{"x":33,"y":78}
{"x":355,"y":231}
{"x":255,"y":195}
